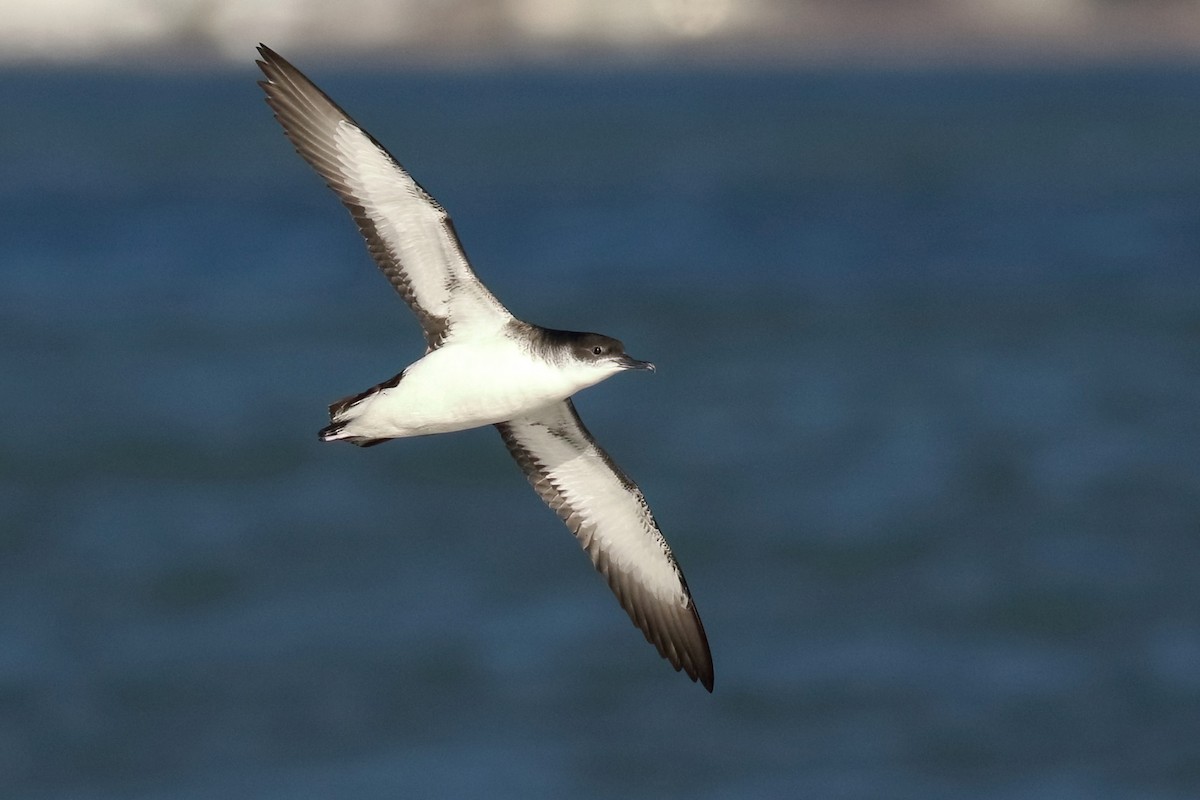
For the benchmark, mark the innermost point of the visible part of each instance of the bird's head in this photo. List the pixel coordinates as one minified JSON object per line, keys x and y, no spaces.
{"x":604,"y":351}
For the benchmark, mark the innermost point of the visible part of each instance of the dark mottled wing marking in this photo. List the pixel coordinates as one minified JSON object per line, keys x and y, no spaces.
{"x":408,"y":233}
{"x":609,"y":516}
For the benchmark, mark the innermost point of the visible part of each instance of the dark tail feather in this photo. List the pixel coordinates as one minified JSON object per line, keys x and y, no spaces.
{"x":330,"y":433}
{"x":338,"y":408}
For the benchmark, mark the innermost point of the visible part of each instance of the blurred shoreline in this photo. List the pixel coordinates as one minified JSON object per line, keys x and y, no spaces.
{"x":189,"y":33}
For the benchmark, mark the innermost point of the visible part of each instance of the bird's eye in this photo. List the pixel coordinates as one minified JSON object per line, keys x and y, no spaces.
{"x":597,"y":350}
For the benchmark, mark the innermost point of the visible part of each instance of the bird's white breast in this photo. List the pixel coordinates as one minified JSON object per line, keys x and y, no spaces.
{"x":468,"y":384}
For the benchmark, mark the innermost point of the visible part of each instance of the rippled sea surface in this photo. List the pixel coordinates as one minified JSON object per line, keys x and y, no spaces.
{"x":925,"y":437}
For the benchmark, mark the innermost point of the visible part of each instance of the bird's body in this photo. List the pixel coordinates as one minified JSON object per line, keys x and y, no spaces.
{"x":465,"y":383}
{"x":483,"y":366}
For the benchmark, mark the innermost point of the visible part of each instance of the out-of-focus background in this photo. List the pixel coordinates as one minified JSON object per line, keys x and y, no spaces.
{"x":922,"y":281}
{"x":563,"y":31}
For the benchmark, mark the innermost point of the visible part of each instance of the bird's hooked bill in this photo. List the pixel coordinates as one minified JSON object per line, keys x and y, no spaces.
{"x":627,"y":362}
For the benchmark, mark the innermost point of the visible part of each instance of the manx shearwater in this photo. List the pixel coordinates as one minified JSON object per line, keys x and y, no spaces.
{"x":482,"y":366}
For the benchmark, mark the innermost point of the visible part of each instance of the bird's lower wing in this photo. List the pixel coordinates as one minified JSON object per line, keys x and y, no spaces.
{"x":609,"y":516}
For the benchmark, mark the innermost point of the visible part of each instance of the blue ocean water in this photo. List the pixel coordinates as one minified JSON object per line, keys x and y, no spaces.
{"x":924,"y":437}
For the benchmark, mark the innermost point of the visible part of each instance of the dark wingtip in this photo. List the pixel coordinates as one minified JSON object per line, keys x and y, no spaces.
{"x":265,"y":54}
{"x":701,"y":669}
{"x":703,"y":675}
{"x":270,"y":62}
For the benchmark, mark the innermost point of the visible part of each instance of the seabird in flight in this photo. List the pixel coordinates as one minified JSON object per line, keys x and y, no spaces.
{"x":483,"y":366}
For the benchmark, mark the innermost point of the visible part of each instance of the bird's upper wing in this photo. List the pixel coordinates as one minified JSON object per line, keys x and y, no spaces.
{"x":408,"y":233}
{"x":609,"y":516}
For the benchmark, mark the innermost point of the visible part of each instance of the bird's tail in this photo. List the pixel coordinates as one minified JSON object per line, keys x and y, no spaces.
{"x":340,"y":418}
